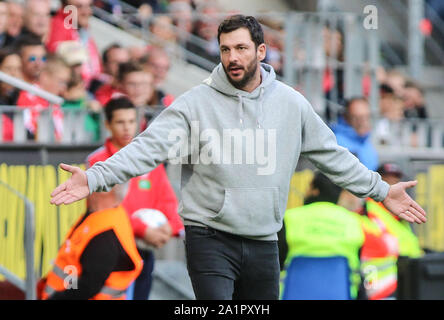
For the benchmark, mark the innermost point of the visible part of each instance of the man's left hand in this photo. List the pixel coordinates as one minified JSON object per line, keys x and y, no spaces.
{"x":400,"y":204}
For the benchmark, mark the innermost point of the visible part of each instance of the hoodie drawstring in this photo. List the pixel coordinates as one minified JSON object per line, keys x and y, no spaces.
{"x":259,"y":109}
{"x":241,"y":109}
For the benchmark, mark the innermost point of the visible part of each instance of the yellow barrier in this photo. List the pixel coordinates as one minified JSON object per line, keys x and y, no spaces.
{"x":298,"y":187}
{"x":430,"y":195}
{"x":51,"y":222}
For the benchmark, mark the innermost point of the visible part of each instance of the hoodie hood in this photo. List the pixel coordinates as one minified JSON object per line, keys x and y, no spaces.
{"x":218,"y":80}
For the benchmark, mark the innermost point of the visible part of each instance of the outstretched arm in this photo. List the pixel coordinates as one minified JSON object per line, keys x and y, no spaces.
{"x":344,"y":169}
{"x":167,"y":134}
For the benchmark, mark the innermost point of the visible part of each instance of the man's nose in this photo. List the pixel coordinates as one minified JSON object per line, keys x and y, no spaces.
{"x":233,"y":57}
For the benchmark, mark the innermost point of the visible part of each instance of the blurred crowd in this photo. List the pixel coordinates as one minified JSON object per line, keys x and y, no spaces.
{"x":36,"y":46}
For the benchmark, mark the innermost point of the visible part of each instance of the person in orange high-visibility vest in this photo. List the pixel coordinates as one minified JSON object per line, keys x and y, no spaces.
{"x":98,"y":259}
{"x":398,"y":236}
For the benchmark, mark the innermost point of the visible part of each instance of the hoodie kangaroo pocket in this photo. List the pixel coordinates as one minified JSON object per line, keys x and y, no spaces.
{"x":250,"y":211}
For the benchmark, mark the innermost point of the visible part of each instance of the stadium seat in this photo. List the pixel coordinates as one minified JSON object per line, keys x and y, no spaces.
{"x":313,"y":278}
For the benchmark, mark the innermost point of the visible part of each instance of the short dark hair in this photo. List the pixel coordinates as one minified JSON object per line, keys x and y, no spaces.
{"x":328,"y":191}
{"x":6,"y":52}
{"x":350,"y":101}
{"x":235,"y":22}
{"x":26,"y":40}
{"x":128,"y":67}
{"x":118,"y":103}
{"x":108,"y":50}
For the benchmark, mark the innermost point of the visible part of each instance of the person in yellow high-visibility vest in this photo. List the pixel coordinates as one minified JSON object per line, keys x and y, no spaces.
{"x":404,"y":240}
{"x":321,"y":228}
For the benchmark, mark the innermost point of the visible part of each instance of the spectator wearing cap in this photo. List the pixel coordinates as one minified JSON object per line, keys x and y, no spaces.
{"x":353,"y":131}
{"x":76,"y":96}
{"x":61,"y":31}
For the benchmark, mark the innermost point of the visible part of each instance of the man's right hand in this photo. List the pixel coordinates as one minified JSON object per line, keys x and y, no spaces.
{"x":156,"y":237}
{"x":74,"y":189}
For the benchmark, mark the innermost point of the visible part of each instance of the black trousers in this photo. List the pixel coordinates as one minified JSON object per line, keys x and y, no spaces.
{"x":223,"y":266}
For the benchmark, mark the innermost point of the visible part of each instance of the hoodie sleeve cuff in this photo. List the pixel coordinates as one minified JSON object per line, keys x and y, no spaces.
{"x":382,"y":190}
{"x":92,"y":181}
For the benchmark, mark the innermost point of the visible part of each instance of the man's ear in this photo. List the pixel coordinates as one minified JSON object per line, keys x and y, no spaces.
{"x":261,"y":51}
{"x":107,"y":125}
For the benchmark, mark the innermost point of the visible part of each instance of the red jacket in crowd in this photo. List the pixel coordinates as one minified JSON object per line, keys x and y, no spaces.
{"x":61,"y":31}
{"x":152,"y":190}
{"x":33,"y":105}
{"x":8,"y":128}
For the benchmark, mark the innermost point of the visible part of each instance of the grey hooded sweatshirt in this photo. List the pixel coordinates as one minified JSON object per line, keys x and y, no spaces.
{"x":238,"y":152}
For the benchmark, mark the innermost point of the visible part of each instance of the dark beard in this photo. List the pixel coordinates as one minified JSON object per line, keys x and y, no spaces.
{"x":249,"y":75}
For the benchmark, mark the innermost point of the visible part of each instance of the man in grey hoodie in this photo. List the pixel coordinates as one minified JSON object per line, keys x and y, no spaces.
{"x":238,"y":137}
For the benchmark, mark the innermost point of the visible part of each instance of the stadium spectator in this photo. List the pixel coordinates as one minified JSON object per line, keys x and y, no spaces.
{"x":353,"y":131}
{"x":136,"y":83}
{"x":333,"y":78}
{"x":157,"y":63}
{"x":387,"y":129}
{"x":11,"y":64}
{"x":54,"y":79}
{"x":136,"y":52}
{"x":152,"y":190}
{"x":37,"y":18}
{"x":162,"y":29}
{"x":396,"y":80}
{"x":107,"y":85}
{"x":206,"y":28}
{"x":182,"y":14}
{"x":76,"y":96}
{"x":101,"y":250}
{"x":60,"y":32}
{"x":3,"y":24}
{"x":274,"y":51}
{"x":33,"y":54}
{"x":15,"y":20}
{"x":414,"y":103}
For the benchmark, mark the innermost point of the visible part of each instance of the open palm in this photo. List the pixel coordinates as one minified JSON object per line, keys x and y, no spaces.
{"x":73,"y":189}
{"x":400,"y":204}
